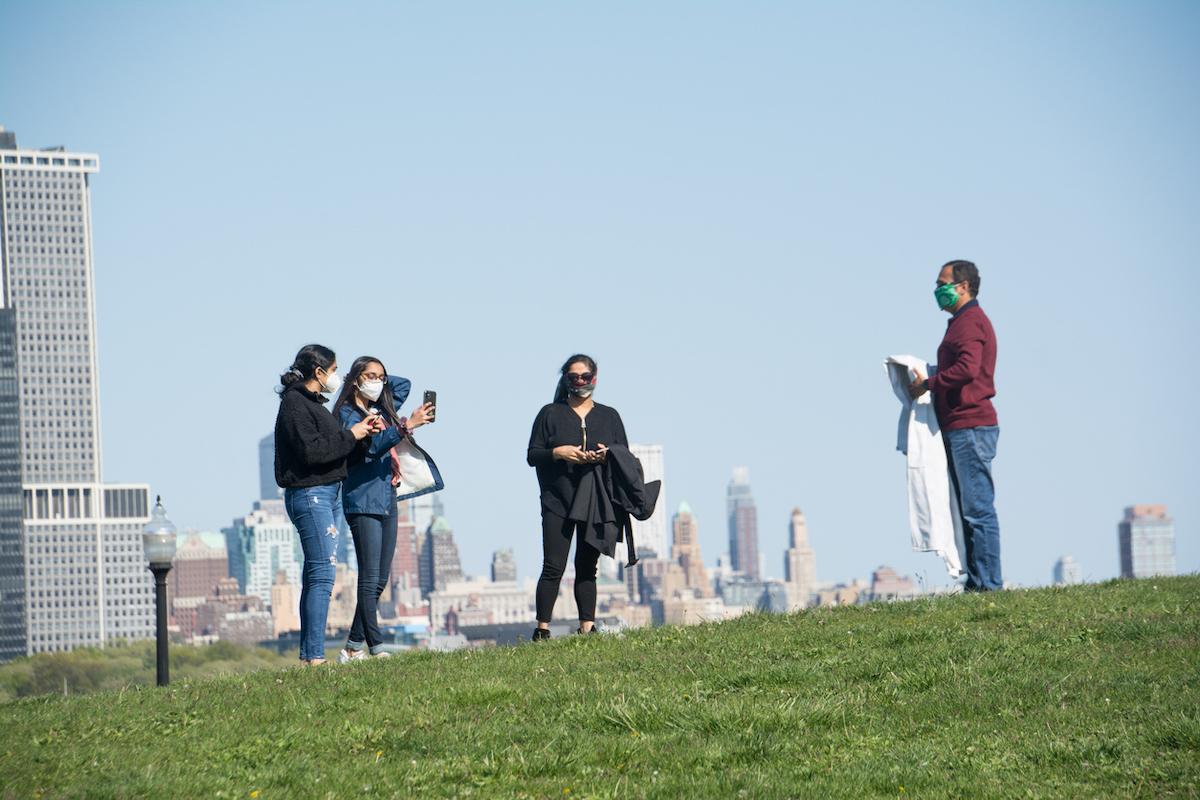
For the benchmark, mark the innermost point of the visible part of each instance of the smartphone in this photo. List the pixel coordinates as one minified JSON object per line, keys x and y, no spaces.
{"x":431,"y":399}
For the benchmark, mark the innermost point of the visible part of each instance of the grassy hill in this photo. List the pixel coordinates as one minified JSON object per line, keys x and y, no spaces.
{"x":1087,"y":691}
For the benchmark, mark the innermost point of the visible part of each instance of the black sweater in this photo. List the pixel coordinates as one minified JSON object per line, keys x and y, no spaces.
{"x":558,"y":424}
{"x":311,"y":448}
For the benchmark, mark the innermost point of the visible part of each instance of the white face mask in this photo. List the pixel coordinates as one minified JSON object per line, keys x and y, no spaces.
{"x":332,"y":383}
{"x":371,"y":389}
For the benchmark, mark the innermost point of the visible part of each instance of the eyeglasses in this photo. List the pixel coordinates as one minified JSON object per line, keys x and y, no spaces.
{"x":949,"y":283}
{"x":581,"y":378}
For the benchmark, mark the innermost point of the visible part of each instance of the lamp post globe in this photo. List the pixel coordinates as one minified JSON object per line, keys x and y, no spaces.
{"x":158,"y":542}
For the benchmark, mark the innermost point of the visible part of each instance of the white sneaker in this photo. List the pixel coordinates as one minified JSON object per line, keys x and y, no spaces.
{"x":382,"y":654}
{"x":346,"y":656}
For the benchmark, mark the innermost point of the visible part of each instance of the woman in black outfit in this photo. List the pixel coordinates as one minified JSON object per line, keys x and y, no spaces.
{"x":570,"y":438}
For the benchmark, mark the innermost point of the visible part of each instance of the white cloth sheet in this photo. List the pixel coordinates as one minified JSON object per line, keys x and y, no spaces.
{"x":933,"y":519}
{"x":418,"y":474}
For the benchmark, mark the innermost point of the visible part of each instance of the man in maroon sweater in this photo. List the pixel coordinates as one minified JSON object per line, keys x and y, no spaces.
{"x":963,"y":388}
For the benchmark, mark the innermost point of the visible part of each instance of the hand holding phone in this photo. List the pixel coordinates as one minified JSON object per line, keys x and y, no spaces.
{"x":430,"y":400}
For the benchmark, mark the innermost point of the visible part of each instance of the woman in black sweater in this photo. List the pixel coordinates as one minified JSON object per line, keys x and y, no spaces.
{"x":570,"y":439}
{"x":311,"y":451}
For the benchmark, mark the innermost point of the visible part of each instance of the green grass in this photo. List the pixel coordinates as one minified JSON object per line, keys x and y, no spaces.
{"x":1088,"y":691}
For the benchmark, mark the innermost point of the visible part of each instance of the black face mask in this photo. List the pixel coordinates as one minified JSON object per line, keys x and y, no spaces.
{"x":582,"y":390}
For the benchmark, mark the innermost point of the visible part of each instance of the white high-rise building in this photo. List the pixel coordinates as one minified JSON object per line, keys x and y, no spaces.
{"x":82,"y":579}
{"x":651,"y":534}
{"x":1067,"y":571}
{"x":799,"y":564}
{"x":261,"y":544}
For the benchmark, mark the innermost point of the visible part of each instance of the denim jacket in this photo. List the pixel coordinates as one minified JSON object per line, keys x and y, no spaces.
{"x":368,"y":485}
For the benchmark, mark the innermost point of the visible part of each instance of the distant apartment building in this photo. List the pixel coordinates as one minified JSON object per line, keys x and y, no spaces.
{"x":741,"y":593}
{"x":650,"y":535}
{"x":1147,"y":541}
{"x":285,"y":605}
{"x":200,"y":562}
{"x":655,"y":579}
{"x":1067,"y":572}
{"x":843,"y":594}
{"x":261,"y":544}
{"x":504,"y":566}
{"x":226,"y":613}
{"x":799,"y":564}
{"x":481,"y":602}
{"x":886,"y":584}
{"x":438,"y":557}
{"x":343,"y":600}
{"x":72,"y":570}
{"x":743,"y":525}
{"x":686,"y":608}
{"x":686,"y":550}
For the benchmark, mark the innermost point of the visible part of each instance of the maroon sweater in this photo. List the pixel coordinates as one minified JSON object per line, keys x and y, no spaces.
{"x":963,"y":386}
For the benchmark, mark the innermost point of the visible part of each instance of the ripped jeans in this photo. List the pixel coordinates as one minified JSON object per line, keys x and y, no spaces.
{"x":311,"y":510}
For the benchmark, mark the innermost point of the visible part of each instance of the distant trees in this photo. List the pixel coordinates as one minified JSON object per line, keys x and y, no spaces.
{"x":88,"y":669}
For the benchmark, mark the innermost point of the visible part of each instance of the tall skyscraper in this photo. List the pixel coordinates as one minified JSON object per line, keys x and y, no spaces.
{"x":268,"y":489}
{"x":1147,"y":539}
{"x":1066,"y":571}
{"x":424,"y":510}
{"x":85,"y":580}
{"x":799,"y":562}
{"x":650,"y":534}
{"x":686,"y":550}
{"x":438,"y":557}
{"x":12,"y":530}
{"x":406,"y":573}
{"x":743,"y":525}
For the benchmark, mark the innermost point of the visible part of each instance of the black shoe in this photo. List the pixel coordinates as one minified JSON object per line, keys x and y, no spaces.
{"x":593,"y":630}
{"x":540,"y":634}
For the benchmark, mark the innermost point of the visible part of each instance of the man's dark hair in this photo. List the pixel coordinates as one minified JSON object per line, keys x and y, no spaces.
{"x":965,"y":271}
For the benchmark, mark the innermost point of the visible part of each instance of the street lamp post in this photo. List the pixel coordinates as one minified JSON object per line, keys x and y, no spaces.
{"x":158,"y":542}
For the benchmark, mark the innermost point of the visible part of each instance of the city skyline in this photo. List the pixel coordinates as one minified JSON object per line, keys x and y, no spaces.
{"x":720,"y":174}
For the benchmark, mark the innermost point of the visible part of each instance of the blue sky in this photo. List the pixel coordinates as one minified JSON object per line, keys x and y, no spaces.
{"x":739,"y":209}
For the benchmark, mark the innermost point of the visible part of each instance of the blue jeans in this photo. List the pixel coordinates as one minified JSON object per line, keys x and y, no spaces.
{"x":374,"y":546}
{"x":970,"y":453}
{"x":312,"y":512}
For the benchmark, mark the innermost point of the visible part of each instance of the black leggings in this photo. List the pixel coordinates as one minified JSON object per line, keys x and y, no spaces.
{"x":556,"y":545}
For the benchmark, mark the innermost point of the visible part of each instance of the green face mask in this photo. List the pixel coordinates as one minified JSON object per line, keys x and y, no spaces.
{"x":946,"y":296}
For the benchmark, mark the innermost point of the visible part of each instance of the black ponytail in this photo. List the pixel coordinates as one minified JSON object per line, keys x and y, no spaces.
{"x":310,"y":358}
{"x":560,"y":394}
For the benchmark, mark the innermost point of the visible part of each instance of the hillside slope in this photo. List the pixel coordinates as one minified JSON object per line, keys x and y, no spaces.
{"x":1086,"y":691}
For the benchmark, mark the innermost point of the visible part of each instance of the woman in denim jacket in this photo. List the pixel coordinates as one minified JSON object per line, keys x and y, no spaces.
{"x":311,"y":451}
{"x":369,"y":490}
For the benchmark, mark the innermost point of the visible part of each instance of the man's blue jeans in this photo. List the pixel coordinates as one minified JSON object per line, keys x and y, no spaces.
{"x":312,"y":512}
{"x":374,"y":546}
{"x":970,"y":453}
